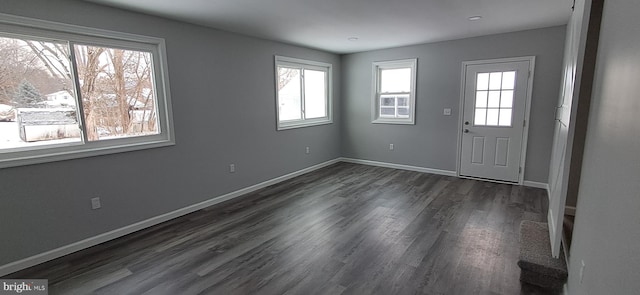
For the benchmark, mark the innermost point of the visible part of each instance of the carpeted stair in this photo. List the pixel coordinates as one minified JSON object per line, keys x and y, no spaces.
{"x":537,"y":265}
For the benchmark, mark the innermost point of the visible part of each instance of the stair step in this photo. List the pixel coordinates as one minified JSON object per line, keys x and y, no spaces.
{"x":537,"y":265}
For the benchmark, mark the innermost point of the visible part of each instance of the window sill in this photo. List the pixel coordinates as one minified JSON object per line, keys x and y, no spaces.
{"x":394,"y":121}
{"x":302,"y":124}
{"x":77,"y":152}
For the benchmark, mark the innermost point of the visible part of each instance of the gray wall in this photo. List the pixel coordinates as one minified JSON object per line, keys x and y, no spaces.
{"x":606,"y":235}
{"x":222,"y":87}
{"x":432,"y":142}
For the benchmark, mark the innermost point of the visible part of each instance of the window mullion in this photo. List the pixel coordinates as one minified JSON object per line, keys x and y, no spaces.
{"x":77,"y":90}
{"x":302,"y":96}
{"x":395,"y":103}
{"x":379,"y":90}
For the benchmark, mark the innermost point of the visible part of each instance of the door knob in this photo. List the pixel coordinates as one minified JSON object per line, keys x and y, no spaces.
{"x":466,"y":123}
{"x":466,"y":131}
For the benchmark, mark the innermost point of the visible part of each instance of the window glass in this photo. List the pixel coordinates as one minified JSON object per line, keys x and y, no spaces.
{"x":117,"y":91}
{"x":35,"y":86}
{"x":395,"y":80}
{"x":289,"y":96}
{"x":315,"y":104}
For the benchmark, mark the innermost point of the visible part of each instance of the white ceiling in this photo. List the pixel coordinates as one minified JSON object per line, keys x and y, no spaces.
{"x":327,"y":24}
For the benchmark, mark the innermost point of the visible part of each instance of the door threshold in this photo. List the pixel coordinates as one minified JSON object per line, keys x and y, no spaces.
{"x":490,"y":180}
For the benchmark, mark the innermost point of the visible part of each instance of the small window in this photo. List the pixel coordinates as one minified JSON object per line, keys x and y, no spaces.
{"x":394,"y":92}
{"x":303,"y":92}
{"x":494,"y":99}
{"x":77,"y":92}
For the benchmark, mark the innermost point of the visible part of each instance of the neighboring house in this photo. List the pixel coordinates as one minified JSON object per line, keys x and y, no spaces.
{"x":60,"y":99}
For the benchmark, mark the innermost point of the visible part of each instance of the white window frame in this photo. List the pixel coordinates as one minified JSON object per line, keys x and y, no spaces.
{"x":377,"y":67}
{"x":16,"y":27}
{"x":310,"y":65}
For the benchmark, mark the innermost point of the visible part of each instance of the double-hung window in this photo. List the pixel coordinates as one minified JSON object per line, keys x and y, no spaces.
{"x":70,"y":92}
{"x":303,"y":92}
{"x":394,"y":92}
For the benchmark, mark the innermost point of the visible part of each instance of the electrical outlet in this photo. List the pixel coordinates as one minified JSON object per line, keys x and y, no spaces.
{"x":391,"y":146}
{"x":307,"y":150}
{"x":447,"y":112}
{"x":232,"y":168}
{"x":95,"y":203}
{"x":581,"y":270}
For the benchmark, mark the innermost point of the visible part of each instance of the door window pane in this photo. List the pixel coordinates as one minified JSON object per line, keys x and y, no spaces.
{"x":495,"y":80}
{"x":480,"y":117}
{"x":505,"y":117}
{"x":508,"y":80}
{"x":506,"y":100}
{"x":481,"y":99}
{"x":483,"y":81}
{"x":492,"y":117}
{"x":494,"y":107}
{"x":494,"y":99}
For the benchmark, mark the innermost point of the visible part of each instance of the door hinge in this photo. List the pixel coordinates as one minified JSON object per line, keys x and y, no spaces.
{"x":519,"y":170}
{"x":524,"y":123}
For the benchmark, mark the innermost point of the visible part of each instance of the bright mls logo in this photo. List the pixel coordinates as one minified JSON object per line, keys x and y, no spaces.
{"x":40,"y":287}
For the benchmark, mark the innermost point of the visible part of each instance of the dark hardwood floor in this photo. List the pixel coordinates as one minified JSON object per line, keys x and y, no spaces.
{"x":344,"y":229}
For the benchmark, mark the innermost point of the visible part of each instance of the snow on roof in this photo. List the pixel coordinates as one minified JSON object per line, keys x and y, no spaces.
{"x":5,"y":107}
{"x":61,"y":92}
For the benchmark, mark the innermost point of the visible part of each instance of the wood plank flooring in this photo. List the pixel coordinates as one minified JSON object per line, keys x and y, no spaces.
{"x":344,"y":229}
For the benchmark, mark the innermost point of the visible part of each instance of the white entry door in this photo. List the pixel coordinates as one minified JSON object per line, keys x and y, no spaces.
{"x":494,"y":112}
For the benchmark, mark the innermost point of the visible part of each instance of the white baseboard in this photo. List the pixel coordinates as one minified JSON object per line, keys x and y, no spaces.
{"x":101,"y":238}
{"x":399,"y":166}
{"x":536,"y":184}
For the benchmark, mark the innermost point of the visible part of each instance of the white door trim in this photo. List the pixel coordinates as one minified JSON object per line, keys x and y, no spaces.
{"x":525,"y":131}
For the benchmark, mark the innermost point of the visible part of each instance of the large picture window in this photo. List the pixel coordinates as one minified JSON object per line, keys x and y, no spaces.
{"x":303,"y":90}
{"x":68,"y":92}
{"x":394,"y":92}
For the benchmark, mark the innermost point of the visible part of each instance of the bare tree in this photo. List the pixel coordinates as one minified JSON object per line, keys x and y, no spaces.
{"x":119,"y":87}
{"x":115,"y":84}
{"x":285,"y":75}
{"x":18,"y":63}
{"x":55,"y":57}
{"x":88,"y":63}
